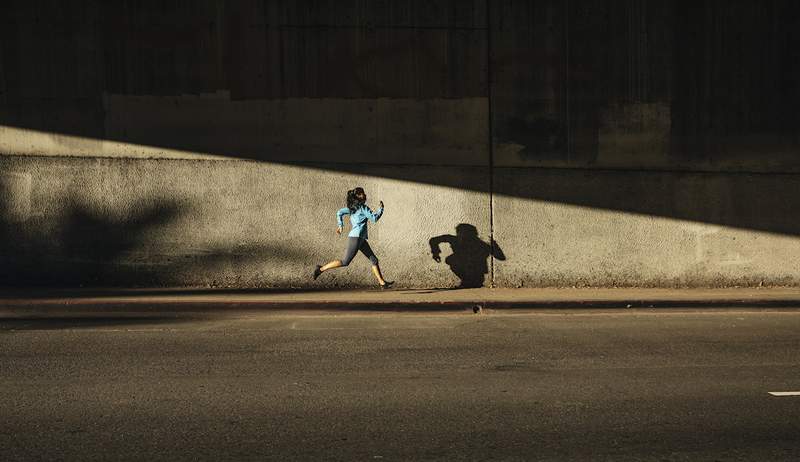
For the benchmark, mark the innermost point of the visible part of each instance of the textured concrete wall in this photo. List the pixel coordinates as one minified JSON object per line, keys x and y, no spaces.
{"x":208,"y":143}
{"x":222,"y":223}
{"x":562,"y":239}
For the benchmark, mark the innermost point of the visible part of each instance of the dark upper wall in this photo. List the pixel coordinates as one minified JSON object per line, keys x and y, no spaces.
{"x":253,"y":48}
{"x":694,"y":85}
{"x":392,"y":82}
{"x":356,"y":49}
{"x":710,"y":85}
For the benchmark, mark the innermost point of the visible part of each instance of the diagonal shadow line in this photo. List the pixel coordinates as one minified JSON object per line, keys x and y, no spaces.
{"x":746,"y":200}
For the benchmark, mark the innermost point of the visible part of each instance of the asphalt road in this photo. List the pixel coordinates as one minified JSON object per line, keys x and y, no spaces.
{"x":567,"y":385}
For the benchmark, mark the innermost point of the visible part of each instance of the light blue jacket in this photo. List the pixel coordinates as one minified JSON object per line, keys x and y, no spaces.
{"x":358,"y":219}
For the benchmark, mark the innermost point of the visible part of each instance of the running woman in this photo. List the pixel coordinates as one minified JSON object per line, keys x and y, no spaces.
{"x":357,"y":238}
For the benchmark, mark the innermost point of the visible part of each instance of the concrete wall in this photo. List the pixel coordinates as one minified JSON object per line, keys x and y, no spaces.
{"x":209,"y":142}
{"x":222,"y":223}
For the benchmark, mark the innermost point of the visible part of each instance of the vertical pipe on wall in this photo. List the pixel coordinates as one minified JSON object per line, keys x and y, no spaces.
{"x":491,"y":139}
{"x":567,"y":81}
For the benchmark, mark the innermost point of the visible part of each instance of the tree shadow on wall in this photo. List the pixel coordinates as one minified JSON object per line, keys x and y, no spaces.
{"x":84,"y":246}
{"x":470,"y":254}
{"x":79,"y":246}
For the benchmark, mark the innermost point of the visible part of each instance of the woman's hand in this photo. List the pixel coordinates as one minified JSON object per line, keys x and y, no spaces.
{"x":339,"y":230}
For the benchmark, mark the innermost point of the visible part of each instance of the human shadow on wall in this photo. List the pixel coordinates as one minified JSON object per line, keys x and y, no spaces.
{"x":470,"y":254}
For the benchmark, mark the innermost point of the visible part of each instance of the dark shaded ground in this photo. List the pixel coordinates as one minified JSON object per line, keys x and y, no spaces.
{"x":253,"y":386}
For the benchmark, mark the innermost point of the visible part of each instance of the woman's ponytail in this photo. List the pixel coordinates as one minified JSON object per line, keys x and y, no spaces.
{"x":353,"y":203}
{"x":351,"y":200}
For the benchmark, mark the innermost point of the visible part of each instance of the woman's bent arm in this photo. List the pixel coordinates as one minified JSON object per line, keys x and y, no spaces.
{"x":373,"y":216}
{"x":339,"y":214}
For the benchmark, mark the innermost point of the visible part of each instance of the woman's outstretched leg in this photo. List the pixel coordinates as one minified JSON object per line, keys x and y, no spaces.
{"x":330,"y":265}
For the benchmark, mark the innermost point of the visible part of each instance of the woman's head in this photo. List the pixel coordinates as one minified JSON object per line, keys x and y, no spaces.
{"x":356,"y":198}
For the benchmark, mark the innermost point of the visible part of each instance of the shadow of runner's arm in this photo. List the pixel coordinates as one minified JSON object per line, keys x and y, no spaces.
{"x":435,"y":242}
{"x":497,"y":252}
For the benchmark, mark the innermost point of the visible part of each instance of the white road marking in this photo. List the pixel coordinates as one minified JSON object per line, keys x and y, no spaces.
{"x":785,"y":393}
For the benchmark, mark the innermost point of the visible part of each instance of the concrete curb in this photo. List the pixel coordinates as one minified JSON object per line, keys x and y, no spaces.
{"x":98,"y":306}
{"x":49,"y":302}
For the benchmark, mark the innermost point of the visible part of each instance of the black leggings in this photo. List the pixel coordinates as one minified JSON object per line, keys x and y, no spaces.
{"x":354,"y":244}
